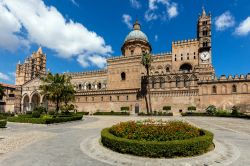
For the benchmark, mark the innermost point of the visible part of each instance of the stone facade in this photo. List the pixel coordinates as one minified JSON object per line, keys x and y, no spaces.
{"x":180,"y":78}
{"x":7,"y":102}
{"x":33,"y":66}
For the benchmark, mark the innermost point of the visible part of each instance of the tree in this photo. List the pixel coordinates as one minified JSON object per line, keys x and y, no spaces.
{"x":57,"y":88}
{"x":1,"y":92}
{"x":211,"y":110}
{"x":146,"y":62}
{"x":68,"y":93}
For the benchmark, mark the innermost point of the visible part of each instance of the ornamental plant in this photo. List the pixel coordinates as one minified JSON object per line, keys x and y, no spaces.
{"x":211,"y":110}
{"x":151,"y":130}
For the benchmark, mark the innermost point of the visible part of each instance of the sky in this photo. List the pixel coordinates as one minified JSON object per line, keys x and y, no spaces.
{"x":78,"y":35}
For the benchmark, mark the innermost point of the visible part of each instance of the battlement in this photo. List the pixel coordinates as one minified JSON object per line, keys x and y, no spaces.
{"x":162,"y":54}
{"x":184,"y":42}
{"x":94,"y":72}
{"x":230,"y":78}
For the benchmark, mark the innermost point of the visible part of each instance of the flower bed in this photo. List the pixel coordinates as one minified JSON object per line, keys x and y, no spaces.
{"x":157,"y":139}
{"x":46,"y":119}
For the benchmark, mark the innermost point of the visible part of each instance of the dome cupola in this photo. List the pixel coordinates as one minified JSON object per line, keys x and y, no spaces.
{"x":136,"y":42}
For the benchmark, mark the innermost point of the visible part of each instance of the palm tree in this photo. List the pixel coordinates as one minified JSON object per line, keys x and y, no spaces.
{"x":57,"y":88}
{"x":146,"y":62}
{"x":68,"y":92}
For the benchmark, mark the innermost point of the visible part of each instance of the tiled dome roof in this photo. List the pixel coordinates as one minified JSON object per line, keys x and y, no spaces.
{"x":136,"y":35}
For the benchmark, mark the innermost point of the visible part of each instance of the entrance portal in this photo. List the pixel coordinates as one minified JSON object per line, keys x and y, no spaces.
{"x":137,"y":108}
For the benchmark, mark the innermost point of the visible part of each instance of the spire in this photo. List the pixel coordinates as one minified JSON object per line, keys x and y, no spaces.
{"x":137,"y":26}
{"x":40,"y":51}
{"x":203,"y":11}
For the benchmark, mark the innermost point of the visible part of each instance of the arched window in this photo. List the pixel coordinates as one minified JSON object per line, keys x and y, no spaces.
{"x":161,"y":82}
{"x":123,"y":76}
{"x":234,"y":89}
{"x":99,"y":86}
{"x":205,"y":44}
{"x":79,"y":86}
{"x":153,"y":83}
{"x":186,"y":82}
{"x":167,"y":69}
{"x":186,"y":67}
{"x":178,"y":82}
{"x":110,"y":98}
{"x":214,"y":89}
{"x":89,"y":86}
{"x":244,"y":88}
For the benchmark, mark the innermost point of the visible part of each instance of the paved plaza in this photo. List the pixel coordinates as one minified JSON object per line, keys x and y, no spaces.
{"x":78,"y":143}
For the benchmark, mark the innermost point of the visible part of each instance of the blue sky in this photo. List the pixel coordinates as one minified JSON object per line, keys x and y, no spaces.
{"x":77,"y":35}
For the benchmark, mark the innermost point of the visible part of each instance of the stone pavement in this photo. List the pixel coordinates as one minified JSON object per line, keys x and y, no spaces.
{"x":77,"y":143}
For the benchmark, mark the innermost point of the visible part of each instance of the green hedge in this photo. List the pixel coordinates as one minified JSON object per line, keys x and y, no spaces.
{"x":3,"y":123}
{"x":169,"y":149}
{"x":21,"y":119}
{"x":124,"y":108}
{"x":111,"y":113}
{"x":158,"y":114}
{"x":166,"y":108}
{"x":217,"y":114}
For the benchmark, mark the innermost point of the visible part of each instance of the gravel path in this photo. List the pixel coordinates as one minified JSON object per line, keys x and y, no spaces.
{"x":76,"y":143}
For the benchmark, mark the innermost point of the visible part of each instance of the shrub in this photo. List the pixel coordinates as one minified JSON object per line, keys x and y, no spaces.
{"x":36,"y":114}
{"x":211,"y":110}
{"x":3,"y":123}
{"x":235,"y":111}
{"x":222,"y":113}
{"x":40,"y":109}
{"x":125,"y":109}
{"x":29,"y":112}
{"x":45,"y":119}
{"x":51,"y":112}
{"x":191,"y":108}
{"x":111,"y":113}
{"x":154,"y":148}
{"x":166,"y":108}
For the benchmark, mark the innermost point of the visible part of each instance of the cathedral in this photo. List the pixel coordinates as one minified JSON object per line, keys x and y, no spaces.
{"x":179,"y":78}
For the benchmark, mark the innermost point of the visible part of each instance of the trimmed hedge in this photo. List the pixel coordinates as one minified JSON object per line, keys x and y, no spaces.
{"x":111,"y":113}
{"x":159,"y":114}
{"x":217,"y":114}
{"x":168,"y":149}
{"x":21,"y":119}
{"x":3,"y":123}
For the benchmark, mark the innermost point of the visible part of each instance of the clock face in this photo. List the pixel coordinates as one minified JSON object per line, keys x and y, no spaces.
{"x":205,"y":56}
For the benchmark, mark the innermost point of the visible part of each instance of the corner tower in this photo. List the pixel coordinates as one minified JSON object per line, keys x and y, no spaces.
{"x":136,"y":42}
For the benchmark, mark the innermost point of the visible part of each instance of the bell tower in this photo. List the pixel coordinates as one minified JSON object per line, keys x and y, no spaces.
{"x":204,"y":36}
{"x":205,"y":46}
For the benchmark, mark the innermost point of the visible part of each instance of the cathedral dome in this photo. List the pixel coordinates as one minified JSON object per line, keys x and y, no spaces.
{"x":136,"y":34}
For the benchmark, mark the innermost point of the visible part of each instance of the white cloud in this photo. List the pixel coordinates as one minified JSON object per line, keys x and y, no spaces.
{"x":156,"y":37}
{"x":244,"y":28}
{"x":4,"y":77}
{"x":97,"y":60}
{"x":135,"y":4}
{"x":154,"y":12}
{"x":46,"y":26}
{"x":224,"y":21}
{"x":172,"y":10}
{"x":75,"y":3}
{"x":127,"y":20}
{"x":10,"y":27}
